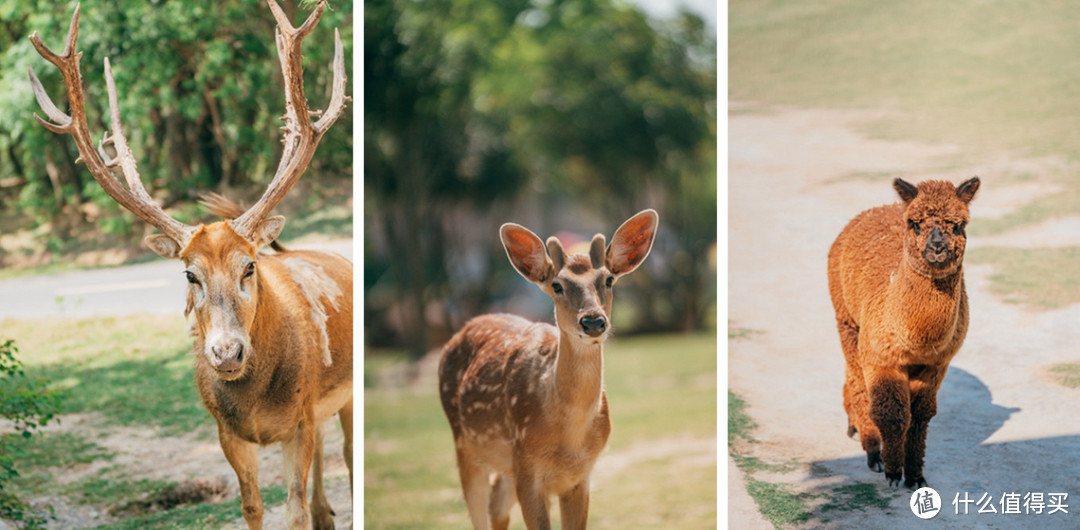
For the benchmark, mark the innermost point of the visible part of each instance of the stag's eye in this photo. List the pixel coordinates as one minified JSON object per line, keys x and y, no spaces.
{"x":249,"y":270}
{"x":913,"y":225}
{"x":610,"y":281}
{"x":958,"y":229}
{"x":191,"y":278}
{"x":557,"y":287}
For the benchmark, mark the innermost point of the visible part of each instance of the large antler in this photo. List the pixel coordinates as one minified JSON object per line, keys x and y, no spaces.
{"x":301,"y":135}
{"x":134,"y":197}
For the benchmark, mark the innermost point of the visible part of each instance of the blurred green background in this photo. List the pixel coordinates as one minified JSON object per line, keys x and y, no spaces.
{"x":558,"y":115}
{"x":565,"y":116}
{"x":200,"y":98}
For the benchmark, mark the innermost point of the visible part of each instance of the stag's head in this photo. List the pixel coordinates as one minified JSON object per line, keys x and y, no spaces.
{"x":581,"y":283}
{"x":221,"y":258}
{"x":935,"y":217}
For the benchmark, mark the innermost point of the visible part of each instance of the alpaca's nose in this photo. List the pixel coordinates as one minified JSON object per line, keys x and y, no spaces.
{"x":936,"y":243}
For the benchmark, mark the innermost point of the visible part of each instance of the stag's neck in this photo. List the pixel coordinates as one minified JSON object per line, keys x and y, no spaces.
{"x":579,"y":378}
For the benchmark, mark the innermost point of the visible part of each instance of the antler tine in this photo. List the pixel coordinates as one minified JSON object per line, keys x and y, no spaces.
{"x":97,"y":161}
{"x":301,"y":136}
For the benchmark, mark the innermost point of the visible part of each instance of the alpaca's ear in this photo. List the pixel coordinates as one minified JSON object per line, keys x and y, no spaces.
{"x":526,"y":252}
{"x":966,"y":191}
{"x":906,"y":190}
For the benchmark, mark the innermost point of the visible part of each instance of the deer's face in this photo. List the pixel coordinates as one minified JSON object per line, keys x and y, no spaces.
{"x":582,"y":295}
{"x":223,"y":292}
{"x":581,"y":284}
{"x":935,"y":219}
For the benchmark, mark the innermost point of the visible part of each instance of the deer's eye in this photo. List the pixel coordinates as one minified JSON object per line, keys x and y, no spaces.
{"x":191,"y":277}
{"x":913,"y":225}
{"x":249,"y":270}
{"x":958,"y":229}
{"x":557,"y":287}
{"x":610,"y":281}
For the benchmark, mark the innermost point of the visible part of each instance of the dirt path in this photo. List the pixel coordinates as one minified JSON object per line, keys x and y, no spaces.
{"x":144,"y":454}
{"x":795,"y":178}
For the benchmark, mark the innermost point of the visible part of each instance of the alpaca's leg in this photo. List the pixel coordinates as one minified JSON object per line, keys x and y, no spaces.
{"x":924,"y":387}
{"x":890,"y":410}
{"x":856,"y":400}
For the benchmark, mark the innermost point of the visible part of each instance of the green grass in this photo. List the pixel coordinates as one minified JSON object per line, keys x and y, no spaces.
{"x":1042,"y":278}
{"x":777,"y":503}
{"x":852,"y":497}
{"x":959,"y":72}
{"x":1066,"y":374}
{"x":659,"y":387}
{"x":134,"y":370}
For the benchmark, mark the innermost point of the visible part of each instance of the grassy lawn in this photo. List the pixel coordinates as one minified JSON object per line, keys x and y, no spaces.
{"x":132,"y":371}
{"x":659,"y":387}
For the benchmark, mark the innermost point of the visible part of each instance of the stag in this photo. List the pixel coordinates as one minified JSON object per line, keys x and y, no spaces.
{"x":273,"y":332}
{"x":526,"y":400}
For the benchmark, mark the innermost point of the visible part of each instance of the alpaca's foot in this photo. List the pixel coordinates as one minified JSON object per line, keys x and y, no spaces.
{"x":873,"y":461}
{"x":915,"y":483}
{"x":894,"y":478}
{"x":852,"y":431}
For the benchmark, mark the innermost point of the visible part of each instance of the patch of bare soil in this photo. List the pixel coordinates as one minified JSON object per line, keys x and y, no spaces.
{"x":796,"y":177}
{"x":193,"y":461}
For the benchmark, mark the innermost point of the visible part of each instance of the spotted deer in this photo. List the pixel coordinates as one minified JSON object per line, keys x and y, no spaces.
{"x":273,"y":332}
{"x":526,"y":400}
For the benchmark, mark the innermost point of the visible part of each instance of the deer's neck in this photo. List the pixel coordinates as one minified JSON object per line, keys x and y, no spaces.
{"x":579,"y":378}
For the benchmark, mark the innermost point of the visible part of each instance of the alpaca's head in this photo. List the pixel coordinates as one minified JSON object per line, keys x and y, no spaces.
{"x":935,"y":219}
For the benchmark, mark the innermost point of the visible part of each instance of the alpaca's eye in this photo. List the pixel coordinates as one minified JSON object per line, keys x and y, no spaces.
{"x":958,"y":229}
{"x":557,"y":287}
{"x":914,"y":226}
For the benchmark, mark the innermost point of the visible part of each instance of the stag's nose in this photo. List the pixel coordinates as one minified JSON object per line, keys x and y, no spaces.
{"x":936,"y":243}
{"x":593,"y":325}
{"x":228,"y":357}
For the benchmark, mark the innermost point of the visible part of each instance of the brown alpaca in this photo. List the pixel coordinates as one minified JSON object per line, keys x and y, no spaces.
{"x":897,"y":283}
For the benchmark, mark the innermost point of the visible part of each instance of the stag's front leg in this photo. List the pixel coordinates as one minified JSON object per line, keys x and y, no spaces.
{"x":244,"y":458}
{"x":574,"y":506}
{"x":924,"y":388}
{"x":299,"y":451}
{"x":890,"y":409}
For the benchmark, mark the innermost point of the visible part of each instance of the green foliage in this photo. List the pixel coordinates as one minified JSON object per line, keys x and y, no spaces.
{"x":28,"y":404}
{"x":472,"y":107}
{"x":200,"y":95}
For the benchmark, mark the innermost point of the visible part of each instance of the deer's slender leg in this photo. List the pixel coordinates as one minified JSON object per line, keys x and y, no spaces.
{"x":298,"y":451}
{"x":477,"y":490}
{"x":574,"y":506}
{"x":244,"y":458}
{"x":322,"y":517}
{"x":345,"y":417}
{"x":502,"y":500}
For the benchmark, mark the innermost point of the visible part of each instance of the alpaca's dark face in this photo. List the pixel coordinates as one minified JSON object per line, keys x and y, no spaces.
{"x":935,"y":221}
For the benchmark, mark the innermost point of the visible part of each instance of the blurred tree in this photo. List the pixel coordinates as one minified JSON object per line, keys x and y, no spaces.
{"x":200,"y":96}
{"x":474,"y":104}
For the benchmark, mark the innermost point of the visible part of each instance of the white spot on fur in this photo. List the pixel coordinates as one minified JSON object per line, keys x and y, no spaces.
{"x":316,"y":285}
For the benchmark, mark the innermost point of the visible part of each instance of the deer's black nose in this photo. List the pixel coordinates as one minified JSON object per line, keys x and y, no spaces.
{"x":593,"y":326}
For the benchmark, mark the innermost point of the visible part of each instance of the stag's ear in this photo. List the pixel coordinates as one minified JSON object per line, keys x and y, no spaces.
{"x":164,"y":245}
{"x":966,"y":190}
{"x":906,"y":190}
{"x":526,"y":253}
{"x":632,"y":242}
{"x":268,"y":230}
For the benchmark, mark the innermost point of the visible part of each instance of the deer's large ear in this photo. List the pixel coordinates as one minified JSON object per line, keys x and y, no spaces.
{"x":526,"y":252}
{"x":966,"y":190}
{"x":268,"y":230}
{"x":906,"y":190}
{"x":163,"y":245}
{"x":632,"y":242}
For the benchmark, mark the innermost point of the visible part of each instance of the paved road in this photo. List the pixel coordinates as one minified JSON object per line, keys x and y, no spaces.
{"x":156,"y":287}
